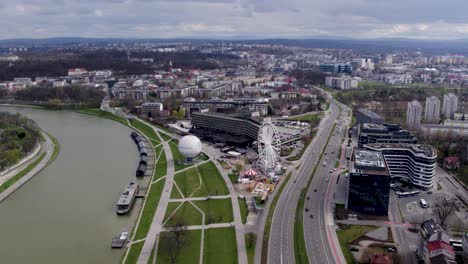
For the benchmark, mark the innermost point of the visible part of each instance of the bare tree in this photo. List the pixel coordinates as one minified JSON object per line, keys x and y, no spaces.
{"x":175,"y":238}
{"x":250,"y":237}
{"x":443,"y":208}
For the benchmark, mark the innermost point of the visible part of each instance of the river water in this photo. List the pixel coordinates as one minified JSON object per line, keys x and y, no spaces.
{"x":66,"y":213}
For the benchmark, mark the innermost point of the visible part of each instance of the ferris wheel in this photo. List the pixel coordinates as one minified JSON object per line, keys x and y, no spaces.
{"x":268,"y":145}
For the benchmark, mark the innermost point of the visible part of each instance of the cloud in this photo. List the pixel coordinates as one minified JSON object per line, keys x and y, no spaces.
{"x":254,"y":18}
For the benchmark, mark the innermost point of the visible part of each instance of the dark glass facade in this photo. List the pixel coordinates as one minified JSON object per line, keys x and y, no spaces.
{"x":369,"y":193}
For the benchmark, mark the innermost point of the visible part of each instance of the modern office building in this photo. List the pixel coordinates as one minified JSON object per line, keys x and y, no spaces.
{"x":450,"y":105}
{"x":228,"y":106}
{"x":225,"y":128}
{"x":434,"y":244}
{"x":336,"y":68}
{"x":414,"y":163}
{"x":413,"y":115}
{"x":386,"y":133}
{"x":432,"y":111}
{"x":367,"y":116}
{"x":369,"y":183}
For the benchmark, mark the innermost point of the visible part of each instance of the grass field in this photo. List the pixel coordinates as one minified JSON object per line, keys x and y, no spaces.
{"x":161,"y":166}
{"x":189,"y":182}
{"x":307,"y":117}
{"x":187,"y":212}
{"x":250,"y":249}
{"x":347,"y":234}
{"x":144,"y":128}
{"x":152,"y":201}
{"x":134,"y":253}
{"x":100,"y":113}
{"x":212,"y":179}
{"x":164,"y":136}
{"x":220,"y":246}
{"x":189,"y":254}
{"x":216,"y":210}
{"x":243,"y":210}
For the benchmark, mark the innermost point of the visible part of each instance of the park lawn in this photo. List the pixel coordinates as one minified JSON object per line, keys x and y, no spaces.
{"x":307,"y":117}
{"x":212,"y":179}
{"x":216,"y":210}
{"x":349,"y":233}
{"x":164,"y":136}
{"x":100,"y":113}
{"x":147,"y":130}
{"x":250,"y":249}
{"x":220,"y":246}
{"x":189,"y":254}
{"x":187,"y":212}
{"x":178,"y":158}
{"x":152,"y":201}
{"x":188,"y":182}
{"x":243,"y":209}
{"x":161,"y":166}
{"x":134,"y":252}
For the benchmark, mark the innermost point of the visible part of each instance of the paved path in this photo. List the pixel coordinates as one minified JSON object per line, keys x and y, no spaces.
{"x":48,"y":147}
{"x":199,"y":227}
{"x":200,"y":198}
{"x":156,"y":225}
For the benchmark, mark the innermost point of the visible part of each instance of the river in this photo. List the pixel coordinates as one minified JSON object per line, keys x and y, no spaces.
{"x":66,"y":213}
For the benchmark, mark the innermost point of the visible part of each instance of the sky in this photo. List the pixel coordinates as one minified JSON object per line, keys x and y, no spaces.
{"x":420,"y":19}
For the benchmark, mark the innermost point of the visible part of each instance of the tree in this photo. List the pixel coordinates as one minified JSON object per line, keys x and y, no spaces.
{"x":175,"y":238}
{"x":250,"y":237}
{"x":55,"y":103}
{"x":443,"y":208}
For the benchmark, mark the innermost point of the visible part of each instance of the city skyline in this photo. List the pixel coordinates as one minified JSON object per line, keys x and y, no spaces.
{"x":272,"y":19}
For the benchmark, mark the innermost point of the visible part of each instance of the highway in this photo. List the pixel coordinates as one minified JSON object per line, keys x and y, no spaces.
{"x":319,"y":228}
{"x":281,"y":241}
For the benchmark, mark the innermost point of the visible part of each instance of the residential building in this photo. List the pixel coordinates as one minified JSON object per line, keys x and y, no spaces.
{"x":77,"y":72}
{"x":444,"y":131}
{"x":450,"y":105}
{"x":151,"y":109}
{"x":367,"y":116}
{"x":432,"y":111}
{"x":336,"y":68}
{"x":342,"y":83}
{"x":413,"y":163}
{"x":413,"y":115}
{"x":389,"y":59}
{"x":369,"y":183}
{"x":434,"y":244}
{"x":386,"y":133}
{"x":228,"y":106}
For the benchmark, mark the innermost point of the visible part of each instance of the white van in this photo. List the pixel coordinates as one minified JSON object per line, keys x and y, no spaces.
{"x":423,"y":203}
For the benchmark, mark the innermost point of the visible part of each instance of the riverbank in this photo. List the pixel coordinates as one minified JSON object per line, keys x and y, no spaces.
{"x":49,"y":150}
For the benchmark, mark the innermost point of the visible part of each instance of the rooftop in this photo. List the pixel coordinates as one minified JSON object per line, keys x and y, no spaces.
{"x":417,"y":149}
{"x":368,"y":158}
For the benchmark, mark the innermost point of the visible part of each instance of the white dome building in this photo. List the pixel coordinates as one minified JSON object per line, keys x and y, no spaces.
{"x":190,"y":147}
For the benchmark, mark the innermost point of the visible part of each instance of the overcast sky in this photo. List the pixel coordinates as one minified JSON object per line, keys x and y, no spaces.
{"x":431,"y":19}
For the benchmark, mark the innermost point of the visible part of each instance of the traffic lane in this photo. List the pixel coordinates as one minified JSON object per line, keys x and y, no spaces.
{"x":286,"y":234}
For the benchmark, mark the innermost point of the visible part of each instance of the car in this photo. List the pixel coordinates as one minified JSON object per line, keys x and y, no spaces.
{"x":429,"y":192}
{"x":354,"y":249}
{"x":294,"y":181}
{"x":315,"y":190}
{"x":326,"y":180}
{"x":308,"y":198}
{"x":307,"y":209}
{"x":331,"y":171}
{"x":311,"y":216}
{"x":391,"y":250}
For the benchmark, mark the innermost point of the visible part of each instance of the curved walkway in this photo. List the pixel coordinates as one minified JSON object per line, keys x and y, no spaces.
{"x":48,"y":147}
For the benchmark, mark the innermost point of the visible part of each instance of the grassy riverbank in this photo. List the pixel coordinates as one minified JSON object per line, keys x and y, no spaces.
{"x":100,"y":113}
{"x":22,"y":173}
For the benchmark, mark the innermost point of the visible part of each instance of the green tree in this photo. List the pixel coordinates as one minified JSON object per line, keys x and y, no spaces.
{"x":55,"y":103}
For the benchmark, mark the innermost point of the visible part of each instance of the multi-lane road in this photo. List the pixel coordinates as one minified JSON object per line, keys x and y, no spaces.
{"x":281,"y":241}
